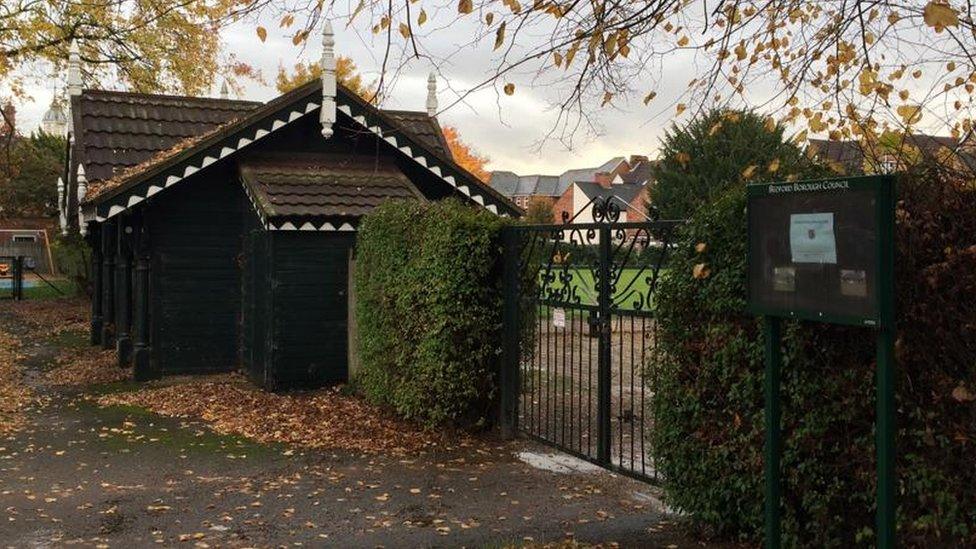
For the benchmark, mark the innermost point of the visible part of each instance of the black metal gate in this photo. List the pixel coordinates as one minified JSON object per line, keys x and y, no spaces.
{"x":580,"y":331}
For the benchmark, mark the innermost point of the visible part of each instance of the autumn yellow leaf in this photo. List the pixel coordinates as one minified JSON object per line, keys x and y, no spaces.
{"x":465,"y":6}
{"x":489,"y":18}
{"x":680,"y":108}
{"x":404,"y":30}
{"x":422,"y":18}
{"x":940,"y":16}
{"x":509,"y":88}
{"x":770,"y":124}
{"x":650,"y":97}
{"x":262,"y":33}
{"x":683,"y":41}
{"x":683,"y":158}
{"x":749,"y":171}
{"x":607,"y":96}
{"x":557,"y":58}
{"x":773,"y":166}
{"x":500,"y":36}
{"x":701,"y":247}
{"x":910,"y":114}
{"x":700,"y":271}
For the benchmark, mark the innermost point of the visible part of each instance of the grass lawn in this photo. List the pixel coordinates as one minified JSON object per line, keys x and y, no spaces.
{"x":632,"y":282}
{"x":41,"y":290}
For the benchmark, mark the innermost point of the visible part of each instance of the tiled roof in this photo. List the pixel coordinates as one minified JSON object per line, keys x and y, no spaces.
{"x":116,"y":130}
{"x":319,"y":186}
{"x":423,"y":126}
{"x":194,"y":154}
{"x":642,"y":173}
{"x":504,"y":182}
{"x":625,"y":191}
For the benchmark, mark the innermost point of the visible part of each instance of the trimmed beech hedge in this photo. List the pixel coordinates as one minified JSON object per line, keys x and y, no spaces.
{"x":709,"y":399}
{"x":429,"y":310}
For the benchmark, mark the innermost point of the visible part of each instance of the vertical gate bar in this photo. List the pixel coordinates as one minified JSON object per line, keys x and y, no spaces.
{"x":604,"y":378}
{"x":562,"y":380}
{"x":643,"y":382}
{"x":620,"y":390}
{"x":537,"y":371}
{"x":589,"y":387}
{"x":549,"y":353}
{"x":579,"y":344}
{"x":510,"y":363}
{"x":633,"y":416}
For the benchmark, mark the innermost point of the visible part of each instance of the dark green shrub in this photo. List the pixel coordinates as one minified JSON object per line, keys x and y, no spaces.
{"x":703,"y":159}
{"x":429,"y":308}
{"x":72,"y":256}
{"x":709,"y":399}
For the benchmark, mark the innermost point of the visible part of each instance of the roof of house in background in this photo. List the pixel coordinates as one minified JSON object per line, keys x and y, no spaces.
{"x":626,"y":192}
{"x":323,"y":185}
{"x":512,"y":184}
{"x":569,"y":177}
{"x":641,"y":173}
{"x":118,"y":130}
{"x":851,"y":153}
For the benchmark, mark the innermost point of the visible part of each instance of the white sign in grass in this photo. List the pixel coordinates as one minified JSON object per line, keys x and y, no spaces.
{"x":559,"y":318}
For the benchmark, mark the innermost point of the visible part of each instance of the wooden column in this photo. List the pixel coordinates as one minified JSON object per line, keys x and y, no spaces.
{"x":142,"y":365}
{"x":95,"y":242}
{"x":123,"y":341}
{"x":108,"y":283}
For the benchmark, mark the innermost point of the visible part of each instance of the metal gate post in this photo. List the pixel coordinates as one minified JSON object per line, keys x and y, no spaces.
{"x":603,"y":378}
{"x":509,"y":374}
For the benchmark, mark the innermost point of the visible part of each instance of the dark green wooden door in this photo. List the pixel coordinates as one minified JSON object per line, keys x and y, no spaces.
{"x":310,"y":303}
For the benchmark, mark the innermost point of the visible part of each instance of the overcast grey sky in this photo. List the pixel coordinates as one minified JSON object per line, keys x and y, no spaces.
{"x":507,"y":129}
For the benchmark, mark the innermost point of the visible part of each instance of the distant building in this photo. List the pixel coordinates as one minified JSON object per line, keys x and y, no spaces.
{"x":55,"y":120}
{"x":619,"y":170}
{"x":854,"y":157}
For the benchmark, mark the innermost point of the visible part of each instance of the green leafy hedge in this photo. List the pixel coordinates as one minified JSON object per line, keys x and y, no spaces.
{"x":429,"y":306}
{"x":709,"y":436}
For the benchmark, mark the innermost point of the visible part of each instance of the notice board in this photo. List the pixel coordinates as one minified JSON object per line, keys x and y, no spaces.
{"x":818,"y":249}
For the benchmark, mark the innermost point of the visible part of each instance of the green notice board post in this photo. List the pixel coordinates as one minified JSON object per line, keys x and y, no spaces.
{"x":823,"y":251}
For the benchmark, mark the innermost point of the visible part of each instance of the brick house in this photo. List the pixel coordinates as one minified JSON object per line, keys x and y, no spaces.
{"x":522,"y":189}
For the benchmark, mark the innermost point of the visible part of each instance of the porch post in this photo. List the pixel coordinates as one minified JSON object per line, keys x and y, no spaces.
{"x":108,"y":283}
{"x":123,"y":341}
{"x":141,"y":351}
{"x":95,"y":241}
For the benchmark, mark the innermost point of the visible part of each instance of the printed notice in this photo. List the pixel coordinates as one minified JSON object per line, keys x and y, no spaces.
{"x":812,"y":238}
{"x":559,"y":318}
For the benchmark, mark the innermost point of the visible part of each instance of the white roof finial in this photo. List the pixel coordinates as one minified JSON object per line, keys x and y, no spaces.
{"x":82,"y":191}
{"x":74,"y":69}
{"x":432,"y":94}
{"x":62,"y":207}
{"x":327,"y":115}
{"x":224,"y":92}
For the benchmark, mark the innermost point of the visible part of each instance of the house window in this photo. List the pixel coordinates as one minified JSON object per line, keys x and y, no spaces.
{"x":25,"y":238}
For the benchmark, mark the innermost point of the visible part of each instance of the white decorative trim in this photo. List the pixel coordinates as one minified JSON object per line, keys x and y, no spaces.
{"x":209,"y":159}
{"x":279,"y":123}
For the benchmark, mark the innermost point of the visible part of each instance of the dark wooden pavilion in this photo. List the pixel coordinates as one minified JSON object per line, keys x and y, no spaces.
{"x":223,"y":231}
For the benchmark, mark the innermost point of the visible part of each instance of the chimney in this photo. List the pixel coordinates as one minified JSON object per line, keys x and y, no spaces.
{"x":636,"y":159}
{"x":224,"y":92}
{"x":603,"y":179}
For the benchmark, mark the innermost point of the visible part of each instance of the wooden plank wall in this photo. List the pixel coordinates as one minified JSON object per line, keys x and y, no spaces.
{"x":310,"y":274}
{"x":196,"y":235}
